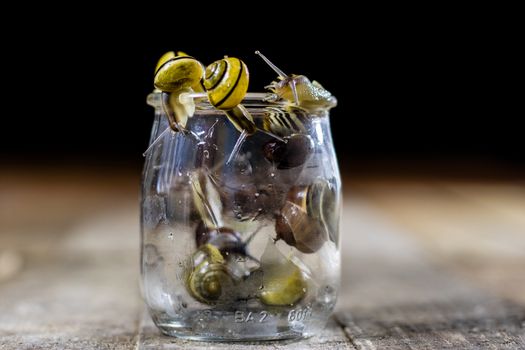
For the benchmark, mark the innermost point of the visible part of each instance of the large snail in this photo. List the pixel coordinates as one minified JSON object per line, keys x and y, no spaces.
{"x":307,"y":218}
{"x":299,"y":91}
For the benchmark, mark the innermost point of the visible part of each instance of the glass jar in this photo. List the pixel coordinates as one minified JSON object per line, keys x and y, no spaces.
{"x":239,"y":232}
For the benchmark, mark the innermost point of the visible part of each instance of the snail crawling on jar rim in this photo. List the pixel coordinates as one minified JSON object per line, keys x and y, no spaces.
{"x":299,"y":91}
{"x":226,"y":83}
{"x":176,"y":74}
{"x":307,"y":218}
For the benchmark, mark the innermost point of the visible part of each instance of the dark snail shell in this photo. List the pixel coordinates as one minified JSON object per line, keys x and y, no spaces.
{"x":306,"y":219}
{"x":293,"y":152}
{"x":220,"y":237}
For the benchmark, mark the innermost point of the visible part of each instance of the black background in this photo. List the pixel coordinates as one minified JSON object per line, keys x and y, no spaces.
{"x":411,"y":92}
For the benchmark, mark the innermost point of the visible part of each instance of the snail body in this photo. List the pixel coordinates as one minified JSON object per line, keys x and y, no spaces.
{"x":283,"y":282}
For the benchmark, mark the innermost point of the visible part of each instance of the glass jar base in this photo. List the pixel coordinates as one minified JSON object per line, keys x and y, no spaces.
{"x":237,"y":327}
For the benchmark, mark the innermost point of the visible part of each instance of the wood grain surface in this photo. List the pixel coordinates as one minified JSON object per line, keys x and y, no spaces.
{"x":426,"y":265}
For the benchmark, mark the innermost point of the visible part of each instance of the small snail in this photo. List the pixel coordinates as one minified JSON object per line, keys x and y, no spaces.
{"x":307,"y":217}
{"x":210,"y":281}
{"x":299,"y":90}
{"x":290,"y":153}
{"x":175,"y":75}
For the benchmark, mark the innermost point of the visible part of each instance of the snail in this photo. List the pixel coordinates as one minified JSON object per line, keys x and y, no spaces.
{"x":299,"y":91}
{"x":290,"y":153}
{"x":226,"y":83}
{"x":210,"y":280}
{"x":307,"y":218}
{"x":177,"y":74}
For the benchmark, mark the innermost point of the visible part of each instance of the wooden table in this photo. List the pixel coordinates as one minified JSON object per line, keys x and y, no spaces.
{"x":427,"y":265}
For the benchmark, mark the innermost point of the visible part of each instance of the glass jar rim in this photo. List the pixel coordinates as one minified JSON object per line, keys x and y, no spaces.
{"x":251,"y":100}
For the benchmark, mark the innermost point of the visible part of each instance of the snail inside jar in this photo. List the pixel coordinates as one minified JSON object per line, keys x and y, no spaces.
{"x":306,"y":218}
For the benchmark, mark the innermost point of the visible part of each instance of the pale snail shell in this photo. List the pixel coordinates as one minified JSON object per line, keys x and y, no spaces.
{"x":306,"y":219}
{"x":210,"y":281}
{"x":177,"y":73}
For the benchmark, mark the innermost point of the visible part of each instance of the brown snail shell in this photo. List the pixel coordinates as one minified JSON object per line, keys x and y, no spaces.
{"x":293,"y":152}
{"x":304,"y":221}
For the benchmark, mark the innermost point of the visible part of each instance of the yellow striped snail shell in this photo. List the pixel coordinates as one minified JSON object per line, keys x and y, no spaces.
{"x":307,"y":217}
{"x":226,"y":83}
{"x":176,"y":74}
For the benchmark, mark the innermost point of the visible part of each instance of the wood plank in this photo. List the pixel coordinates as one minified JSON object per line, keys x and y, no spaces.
{"x":398,"y":298}
{"x":82,"y":294}
{"x":473,"y":230}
